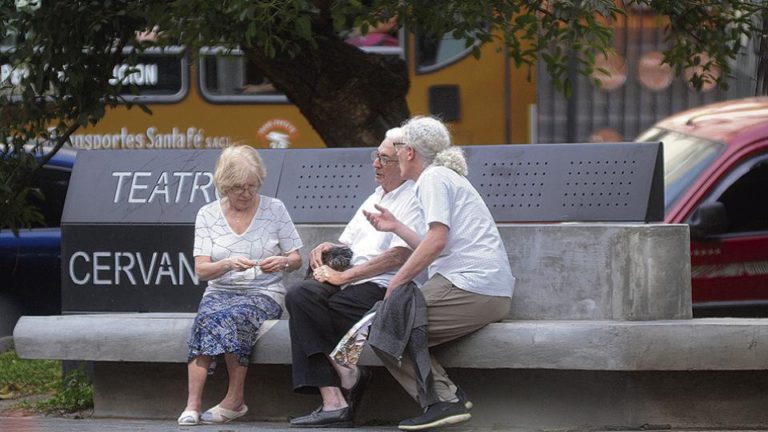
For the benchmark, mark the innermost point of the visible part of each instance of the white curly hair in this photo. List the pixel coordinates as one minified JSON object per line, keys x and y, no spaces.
{"x":430,"y":138}
{"x":395,"y":134}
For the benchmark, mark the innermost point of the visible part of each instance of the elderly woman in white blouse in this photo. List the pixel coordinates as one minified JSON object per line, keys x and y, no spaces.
{"x":244,"y":241}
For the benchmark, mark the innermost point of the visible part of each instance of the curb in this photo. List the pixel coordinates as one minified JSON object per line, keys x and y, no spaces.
{"x":6,"y":344}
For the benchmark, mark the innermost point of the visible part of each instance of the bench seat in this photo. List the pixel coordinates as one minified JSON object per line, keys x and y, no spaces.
{"x":679,"y":345}
{"x":539,"y":374}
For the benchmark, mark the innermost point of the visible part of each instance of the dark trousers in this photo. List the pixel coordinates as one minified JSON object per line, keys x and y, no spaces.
{"x":320,"y":314}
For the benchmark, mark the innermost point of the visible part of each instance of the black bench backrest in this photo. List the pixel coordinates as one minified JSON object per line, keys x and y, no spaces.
{"x":325,"y":185}
{"x":127,"y":227}
{"x":620,"y":182}
{"x":520,"y":183}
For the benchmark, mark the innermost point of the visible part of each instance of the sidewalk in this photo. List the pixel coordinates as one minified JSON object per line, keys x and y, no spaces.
{"x":58,"y":424}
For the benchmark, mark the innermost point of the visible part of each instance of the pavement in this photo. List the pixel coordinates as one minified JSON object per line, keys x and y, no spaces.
{"x":60,"y":424}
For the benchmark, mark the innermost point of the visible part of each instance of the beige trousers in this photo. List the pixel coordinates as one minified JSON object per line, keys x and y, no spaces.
{"x":452,"y":313}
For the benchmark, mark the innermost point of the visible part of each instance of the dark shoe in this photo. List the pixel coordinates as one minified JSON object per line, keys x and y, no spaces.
{"x":340,"y":418}
{"x":437,"y":415}
{"x":355,"y":394}
{"x":463,"y":398}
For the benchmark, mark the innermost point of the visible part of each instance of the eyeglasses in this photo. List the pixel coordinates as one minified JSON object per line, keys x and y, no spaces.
{"x":241,"y":189}
{"x":383,"y":159}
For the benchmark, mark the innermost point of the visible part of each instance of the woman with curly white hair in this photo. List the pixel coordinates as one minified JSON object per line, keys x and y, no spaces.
{"x":470,"y":282}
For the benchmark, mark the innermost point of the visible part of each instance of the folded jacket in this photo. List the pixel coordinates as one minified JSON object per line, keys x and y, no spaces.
{"x":400,"y":324}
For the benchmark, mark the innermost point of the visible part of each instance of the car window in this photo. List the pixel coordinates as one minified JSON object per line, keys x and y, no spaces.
{"x":685,"y":158}
{"x":746,"y":197}
{"x":53,"y":183}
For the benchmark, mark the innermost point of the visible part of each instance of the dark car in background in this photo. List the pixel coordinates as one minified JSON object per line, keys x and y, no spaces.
{"x":30,"y":264}
{"x":716,"y":180}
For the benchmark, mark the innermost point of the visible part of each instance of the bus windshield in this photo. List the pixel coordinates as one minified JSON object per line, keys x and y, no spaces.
{"x":685,"y":158}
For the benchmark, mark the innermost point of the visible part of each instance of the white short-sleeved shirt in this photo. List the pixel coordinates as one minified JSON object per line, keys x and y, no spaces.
{"x":270,"y":233}
{"x":474,"y":258}
{"x":366,"y":242}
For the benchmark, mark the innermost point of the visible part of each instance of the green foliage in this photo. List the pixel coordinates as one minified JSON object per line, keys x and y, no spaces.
{"x":718,"y":29}
{"x":20,"y":377}
{"x":74,"y":393}
{"x":62,"y":63}
{"x":15,"y":191}
{"x":65,"y":50}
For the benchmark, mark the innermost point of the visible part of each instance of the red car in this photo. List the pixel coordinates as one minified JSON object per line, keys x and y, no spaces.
{"x":716,"y":180}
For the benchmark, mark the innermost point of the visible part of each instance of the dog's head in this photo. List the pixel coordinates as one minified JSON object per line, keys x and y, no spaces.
{"x":338,"y":258}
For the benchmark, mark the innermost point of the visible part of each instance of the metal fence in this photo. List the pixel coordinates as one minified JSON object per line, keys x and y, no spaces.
{"x":639,"y":92}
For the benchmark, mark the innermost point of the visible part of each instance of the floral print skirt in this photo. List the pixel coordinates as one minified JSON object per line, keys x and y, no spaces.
{"x":229,"y":322}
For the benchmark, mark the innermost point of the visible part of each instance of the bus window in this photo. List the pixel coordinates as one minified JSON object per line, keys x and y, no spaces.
{"x":434,"y":53}
{"x":160,"y":75}
{"x":227,"y":76}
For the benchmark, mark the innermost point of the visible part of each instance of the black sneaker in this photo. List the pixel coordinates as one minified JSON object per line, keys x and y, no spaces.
{"x":437,"y":415}
{"x":463,"y":398}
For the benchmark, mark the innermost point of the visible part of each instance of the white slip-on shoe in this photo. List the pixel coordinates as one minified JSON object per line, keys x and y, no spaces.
{"x":218,"y":414}
{"x":189,"y":418}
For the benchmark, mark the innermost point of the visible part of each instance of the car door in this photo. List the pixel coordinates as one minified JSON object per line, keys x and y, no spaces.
{"x":730,"y":269}
{"x":30,"y":272}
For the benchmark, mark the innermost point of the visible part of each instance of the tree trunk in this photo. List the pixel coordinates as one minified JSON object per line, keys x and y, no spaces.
{"x":348,"y":96}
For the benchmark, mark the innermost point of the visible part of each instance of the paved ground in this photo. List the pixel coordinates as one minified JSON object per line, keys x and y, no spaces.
{"x":54,"y":424}
{"x":57,"y":424}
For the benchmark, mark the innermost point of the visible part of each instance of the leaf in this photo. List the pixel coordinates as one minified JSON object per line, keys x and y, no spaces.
{"x":304,"y":27}
{"x":9,"y":391}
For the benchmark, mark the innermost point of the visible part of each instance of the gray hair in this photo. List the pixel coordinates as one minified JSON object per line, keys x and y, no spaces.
{"x":430,"y":138}
{"x":395,"y":134}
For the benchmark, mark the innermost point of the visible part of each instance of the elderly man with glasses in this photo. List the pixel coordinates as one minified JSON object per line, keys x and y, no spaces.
{"x":322,"y":309}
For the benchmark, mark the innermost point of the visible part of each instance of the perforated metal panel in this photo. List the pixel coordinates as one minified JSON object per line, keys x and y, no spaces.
{"x":326,"y":185}
{"x":570,"y":182}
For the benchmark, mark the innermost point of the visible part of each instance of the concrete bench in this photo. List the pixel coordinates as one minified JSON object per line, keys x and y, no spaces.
{"x":599,"y":320}
{"x":600,"y":332}
{"x":709,"y":344}
{"x":586,"y":271}
{"x":537,"y":374}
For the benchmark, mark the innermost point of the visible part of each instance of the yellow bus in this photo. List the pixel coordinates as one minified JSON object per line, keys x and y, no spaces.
{"x":218,"y":99}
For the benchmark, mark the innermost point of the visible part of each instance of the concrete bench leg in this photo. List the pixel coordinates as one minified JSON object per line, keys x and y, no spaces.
{"x":513,"y":397}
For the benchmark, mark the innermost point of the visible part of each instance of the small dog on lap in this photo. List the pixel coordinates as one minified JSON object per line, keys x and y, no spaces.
{"x":338,"y":258}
